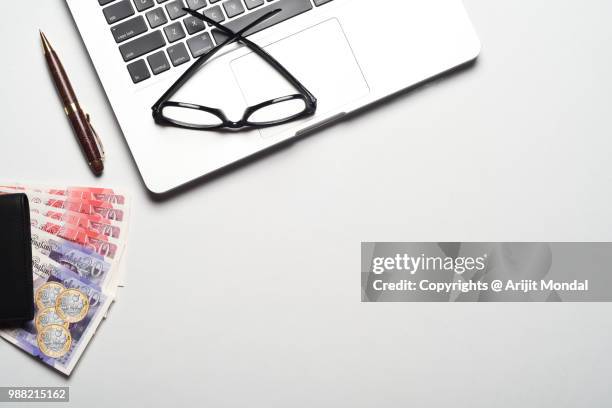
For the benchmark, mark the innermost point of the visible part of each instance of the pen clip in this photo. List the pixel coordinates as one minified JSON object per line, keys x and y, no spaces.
{"x":96,"y":137}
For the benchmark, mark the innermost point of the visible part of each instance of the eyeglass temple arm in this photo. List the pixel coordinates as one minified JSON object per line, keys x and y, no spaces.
{"x":255,"y":48}
{"x":205,"y":57}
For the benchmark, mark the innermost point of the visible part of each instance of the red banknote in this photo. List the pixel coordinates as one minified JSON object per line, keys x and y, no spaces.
{"x":93,"y":222}
{"x":78,"y":244}
{"x":91,"y":239}
{"x":83,"y":193}
{"x":104,"y":209}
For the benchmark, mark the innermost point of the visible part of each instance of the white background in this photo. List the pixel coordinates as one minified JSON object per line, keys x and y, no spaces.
{"x":245,"y":290}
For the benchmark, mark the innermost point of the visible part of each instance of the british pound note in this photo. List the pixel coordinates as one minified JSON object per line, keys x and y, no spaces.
{"x":84,"y":193}
{"x":94,"y":222}
{"x":99,"y":243}
{"x":84,"y":262}
{"x":78,"y":240}
{"x":69,"y":310}
{"x":115,"y":212}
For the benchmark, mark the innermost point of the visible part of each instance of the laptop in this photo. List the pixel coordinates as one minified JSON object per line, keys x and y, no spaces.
{"x":348,"y":53}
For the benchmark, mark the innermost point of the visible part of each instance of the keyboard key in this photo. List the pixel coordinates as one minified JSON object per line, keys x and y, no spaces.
{"x":158,"y":62}
{"x":178,"y":54}
{"x":174,"y":32}
{"x":143,"y":4}
{"x":175,"y":9}
{"x":128,"y":29}
{"x":156,"y":17}
{"x":251,"y":4}
{"x":138,"y":71}
{"x":104,"y":2}
{"x":194,"y":25}
{"x":118,"y":11}
{"x":200,"y":44}
{"x":289,"y":9}
{"x":215,"y":13}
{"x":196,"y":4}
{"x":233,"y":8}
{"x":142,"y":45}
{"x":321,"y":2}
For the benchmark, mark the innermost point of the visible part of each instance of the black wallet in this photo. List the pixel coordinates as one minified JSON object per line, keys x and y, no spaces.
{"x":16,"y":292}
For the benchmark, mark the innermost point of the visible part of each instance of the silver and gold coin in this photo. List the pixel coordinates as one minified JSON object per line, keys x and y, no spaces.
{"x":47,"y":317}
{"x":72,"y":305}
{"x":47,"y":294}
{"x":54,"y":341}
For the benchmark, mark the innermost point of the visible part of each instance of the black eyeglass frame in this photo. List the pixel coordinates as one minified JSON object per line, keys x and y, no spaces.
{"x":310,"y":102}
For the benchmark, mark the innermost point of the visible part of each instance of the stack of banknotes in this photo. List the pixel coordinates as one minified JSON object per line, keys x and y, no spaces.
{"x":78,"y":240}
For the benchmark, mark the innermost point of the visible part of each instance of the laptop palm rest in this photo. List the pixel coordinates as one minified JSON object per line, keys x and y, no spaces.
{"x":320,"y":57}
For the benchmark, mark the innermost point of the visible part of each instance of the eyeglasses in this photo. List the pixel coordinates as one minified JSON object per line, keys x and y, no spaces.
{"x":274,"y":112}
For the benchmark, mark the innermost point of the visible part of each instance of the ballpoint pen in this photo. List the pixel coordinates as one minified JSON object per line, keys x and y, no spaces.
{"x":80,"y":121}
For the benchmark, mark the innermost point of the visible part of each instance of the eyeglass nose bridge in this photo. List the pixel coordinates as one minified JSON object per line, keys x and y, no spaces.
{"x":234,"y":125}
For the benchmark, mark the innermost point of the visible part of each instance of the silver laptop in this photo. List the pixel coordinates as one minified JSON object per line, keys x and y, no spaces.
{"x":348,"y":53}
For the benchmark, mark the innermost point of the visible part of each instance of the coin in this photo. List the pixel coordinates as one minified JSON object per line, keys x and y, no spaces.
{"x":47,"y":317}
{"x":47,"y":294}
{"x":54,"y":341}
{"x":72,"y":305}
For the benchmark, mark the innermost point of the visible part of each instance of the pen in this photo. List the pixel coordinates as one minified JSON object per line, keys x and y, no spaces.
{"x":84,"y":131}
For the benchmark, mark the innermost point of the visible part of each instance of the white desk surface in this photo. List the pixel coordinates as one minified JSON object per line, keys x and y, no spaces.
{"x":245,"y":291}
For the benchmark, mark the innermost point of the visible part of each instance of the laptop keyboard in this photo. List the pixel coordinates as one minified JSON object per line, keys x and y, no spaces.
{"x":155,"y":35}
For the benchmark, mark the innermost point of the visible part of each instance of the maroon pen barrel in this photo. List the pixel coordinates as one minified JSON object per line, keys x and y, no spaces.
{"x":78,"y":119}
{"x":86,"y":137}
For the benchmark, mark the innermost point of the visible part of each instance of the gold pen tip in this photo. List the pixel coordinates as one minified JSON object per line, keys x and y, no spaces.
{"x":45,"y":42}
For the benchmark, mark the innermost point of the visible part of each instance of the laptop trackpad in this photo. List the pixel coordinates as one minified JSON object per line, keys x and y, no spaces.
{"x":320,"y":57}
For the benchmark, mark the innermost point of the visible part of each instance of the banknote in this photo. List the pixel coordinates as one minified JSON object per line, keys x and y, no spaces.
{"x":94,"y":222}
{"x":84,"y":193}
{"x":78,"y":241}
{"x":106,"y":210}
{"x":83,"y":261}
{"x":100,"y":243}
{"x":69,"y":309}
